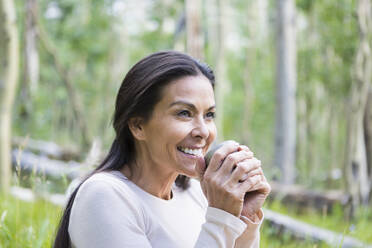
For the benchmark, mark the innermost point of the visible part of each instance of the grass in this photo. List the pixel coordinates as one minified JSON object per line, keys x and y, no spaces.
{"x":358,"y":228}
{"x":25,"y":224}
{"x":270,"y":238}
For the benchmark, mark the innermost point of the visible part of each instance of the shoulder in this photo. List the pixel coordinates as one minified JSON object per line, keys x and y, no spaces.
{"x":103,"y":183}
{"x":106,"y":190}
{"x":104,"y":209}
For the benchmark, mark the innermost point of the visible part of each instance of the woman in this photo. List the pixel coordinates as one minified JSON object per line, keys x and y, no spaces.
{"x":164,"y":124}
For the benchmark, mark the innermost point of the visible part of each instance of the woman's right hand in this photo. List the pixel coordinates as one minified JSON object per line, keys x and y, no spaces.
{"x":231,"y":173}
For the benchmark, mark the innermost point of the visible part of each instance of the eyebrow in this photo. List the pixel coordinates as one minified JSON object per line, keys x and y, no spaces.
{"x":190,"y":105}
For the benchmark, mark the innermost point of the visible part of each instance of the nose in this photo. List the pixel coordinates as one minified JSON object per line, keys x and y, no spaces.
{"x":200,"y":129}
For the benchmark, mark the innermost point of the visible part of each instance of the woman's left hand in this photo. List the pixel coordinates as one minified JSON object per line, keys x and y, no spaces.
{"x":256,"y":196}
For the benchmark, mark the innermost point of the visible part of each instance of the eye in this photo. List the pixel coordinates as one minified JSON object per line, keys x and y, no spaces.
{"x":211,"y":115}
{"x":184,"y":113}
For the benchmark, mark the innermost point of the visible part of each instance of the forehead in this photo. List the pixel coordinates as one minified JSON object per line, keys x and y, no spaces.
{"x":195,"y":89}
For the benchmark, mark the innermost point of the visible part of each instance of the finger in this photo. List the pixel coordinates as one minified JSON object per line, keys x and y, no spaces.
{"x":260,"y":186}
{"x":252,"y":173}
{"x":200,"y":167}
{"x":265,"y":188}
{"x":243,"y":168}
{"x":220,"y":154}
{"x":251,"y":183}
{"x":231,"y":161}
{"x":244,"y":148}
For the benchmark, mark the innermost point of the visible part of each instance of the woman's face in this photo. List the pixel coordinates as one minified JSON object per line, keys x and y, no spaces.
{"x":182,"y":126}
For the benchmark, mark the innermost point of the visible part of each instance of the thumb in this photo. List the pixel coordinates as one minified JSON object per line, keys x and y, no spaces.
{"x":200,"y":167}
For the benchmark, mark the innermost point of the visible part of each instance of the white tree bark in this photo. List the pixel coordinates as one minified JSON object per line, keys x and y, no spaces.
{"x":368,"y":139}
{"x":356,"y":169}
{"x":194,"y":36}
{"x":222,"y":86}
{"x":368,"y":136}
{"x":285,"y":129}
{"x":211,"y":17}
{"x":9,"y":59}
{"x":31,"y":51}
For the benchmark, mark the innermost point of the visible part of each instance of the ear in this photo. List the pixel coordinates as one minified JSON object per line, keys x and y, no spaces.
{"x":135,"y":125}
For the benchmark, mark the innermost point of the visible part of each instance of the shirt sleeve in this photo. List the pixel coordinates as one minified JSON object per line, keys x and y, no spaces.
{"x":101,"y":217}
{"x":224,"y":230}
{"x":251,"y":235}
{"x":220,"y":230}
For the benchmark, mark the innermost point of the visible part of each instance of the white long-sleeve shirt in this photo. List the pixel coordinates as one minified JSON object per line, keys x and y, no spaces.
{"x":111,"y":211}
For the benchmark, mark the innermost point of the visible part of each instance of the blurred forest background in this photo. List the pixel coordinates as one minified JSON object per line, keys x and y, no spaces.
{"x":293,"y":83}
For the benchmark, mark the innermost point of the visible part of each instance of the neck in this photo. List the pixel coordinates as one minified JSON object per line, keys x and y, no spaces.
{"x":151,"y":177}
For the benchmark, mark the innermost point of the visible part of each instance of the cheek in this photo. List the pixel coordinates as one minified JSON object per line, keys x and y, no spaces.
{"x":212,"y":136}
{"x":180,"y":131}
{"x":212,"y":132}
{"x":174,"y":131}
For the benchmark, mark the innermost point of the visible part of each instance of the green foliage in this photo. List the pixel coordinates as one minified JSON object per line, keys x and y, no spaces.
{"x":97,"y":43}
{"x":335,"y":221}
{"x":96,"y":46}
{"x":24,"y":224}
{"x":273,"y":238}
{"x":261,"y":123}
{"x":326,"y":43}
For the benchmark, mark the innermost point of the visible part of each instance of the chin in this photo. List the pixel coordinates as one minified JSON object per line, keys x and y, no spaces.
{"x":190,"y":172}
{"x":192,"y":175}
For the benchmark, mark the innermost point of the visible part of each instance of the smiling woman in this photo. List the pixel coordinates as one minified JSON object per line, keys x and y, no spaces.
{"x":179,"y":132}
{"x":142,"y":195}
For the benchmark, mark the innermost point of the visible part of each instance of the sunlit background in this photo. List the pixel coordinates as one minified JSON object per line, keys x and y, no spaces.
{"x":293,"y":83}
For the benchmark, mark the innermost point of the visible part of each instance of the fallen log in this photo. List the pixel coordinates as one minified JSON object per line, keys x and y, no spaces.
{"x":28,"y":195}
{"x":25,"y":161}
{"x":46,"y":148}
{"x":304,"y":231}
{"x":303,"y":199}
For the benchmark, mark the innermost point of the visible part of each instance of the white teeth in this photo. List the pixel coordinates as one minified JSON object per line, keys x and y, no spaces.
{"x":196,"y":152}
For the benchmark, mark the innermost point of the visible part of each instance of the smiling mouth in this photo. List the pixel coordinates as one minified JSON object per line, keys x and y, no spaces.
{"x":189,"y":151}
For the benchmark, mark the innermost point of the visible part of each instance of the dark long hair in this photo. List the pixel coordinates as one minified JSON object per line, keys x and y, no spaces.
{"x":139,"y":92}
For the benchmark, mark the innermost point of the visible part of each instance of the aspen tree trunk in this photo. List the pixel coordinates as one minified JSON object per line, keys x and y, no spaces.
{"x":285,"y":129}
{"x":333,"y":127}
{"x":31,"y":51}
{"x":194,"y":36}
{"x":222,"y":86}
{"x":9,"y":59}
{"x":356,"y":170}
{"x":302,"y":127}
{"x":368,"y":136}
{"x":178,"y":41}
{"x":212,"y":17}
